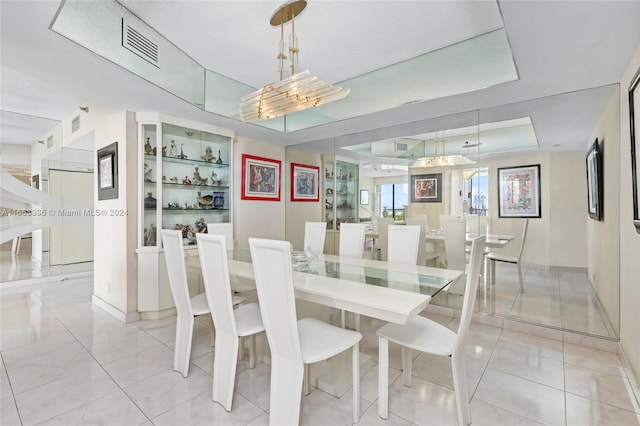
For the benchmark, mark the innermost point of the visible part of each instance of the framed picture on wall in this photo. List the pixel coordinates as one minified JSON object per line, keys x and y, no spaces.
{"x":426,"y":188}
{"x":634,"y":122}
{"x":108,"y":172}
{"x":364,"y":197}
{"x":304,"y":182}
{"x":519,"y":191}
{"x":260,"y":178}
{"x":594,"y":181}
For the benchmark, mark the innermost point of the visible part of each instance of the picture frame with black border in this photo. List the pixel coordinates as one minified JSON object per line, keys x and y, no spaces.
{"x":108,"y":172}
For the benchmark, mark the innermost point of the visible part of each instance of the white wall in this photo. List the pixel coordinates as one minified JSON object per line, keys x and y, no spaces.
{"x":14,"y":155}
{"x":603,"y":239}
{"x":262,"y":219}
{"x":629,"y":238}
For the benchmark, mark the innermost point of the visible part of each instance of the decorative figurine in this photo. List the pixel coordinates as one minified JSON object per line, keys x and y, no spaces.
{"x":199,"y":180}
{"x":173,"y":150}
{"x":181,"y":156}
{"x":164,"y":151}
{"x":174,"y":179}
{"x":150,"y":235}
{"x":147,"y":173}
{"x":147,"y":147}
{"x":186,"y":181}
{"x":164,"y":178}
{"x":219,"y":160}
{"x":201,"y":226}
{"x":214,"y":177}
{"x":149,"y":202}
{"x":204,"y":202}
{"x":218,"y":200}
{"x":208,"y":155}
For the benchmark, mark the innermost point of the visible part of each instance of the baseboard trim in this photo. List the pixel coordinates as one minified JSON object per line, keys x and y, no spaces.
{"x":115,"y":312}
{"x":633,"y":378}
{"x":156,"y":315}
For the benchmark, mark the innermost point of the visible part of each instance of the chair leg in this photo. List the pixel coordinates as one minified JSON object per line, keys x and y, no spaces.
{"x":213,"y":332}
{"x":520,"y":277}
{"x":241,"y":349}
{"x":492,"y":264}
{"x":286,"y":387}
{"x":356,"y":382}
{"x":407,"y":365}
{"x":182,"y":351}
{"x":252,"y":351}
{"x":224,"y":369}
{"x":307,"y":379}
{"x":460,"y":387}
{"x":383,"y":377}
{"x":343,"y":319}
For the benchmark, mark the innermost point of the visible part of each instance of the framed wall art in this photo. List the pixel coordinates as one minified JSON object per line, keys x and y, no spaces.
{"x":519,"y":191}
{"x":634,"y":122}
{"x":305,"y":182}
{"x":364,"y":197}
{"x":260,"y":178}
{"x":108,"y":172}
{"x":426,"y":188}
{"x":594,"y":181}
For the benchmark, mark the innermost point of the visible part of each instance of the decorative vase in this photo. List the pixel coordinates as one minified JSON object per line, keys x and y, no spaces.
{"x":149,"y":202}
{"x":218,"y":200}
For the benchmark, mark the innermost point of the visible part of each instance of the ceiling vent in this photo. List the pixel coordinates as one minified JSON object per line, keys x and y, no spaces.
{"x":134,"y":41}
{"x":401,"y":146}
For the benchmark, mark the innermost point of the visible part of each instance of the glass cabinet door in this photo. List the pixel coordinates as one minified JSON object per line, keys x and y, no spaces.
{"x":150,"y":185}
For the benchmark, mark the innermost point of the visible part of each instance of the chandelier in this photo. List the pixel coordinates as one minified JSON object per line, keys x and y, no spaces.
{"x":299,"y":91}
{"x":441,"y":160}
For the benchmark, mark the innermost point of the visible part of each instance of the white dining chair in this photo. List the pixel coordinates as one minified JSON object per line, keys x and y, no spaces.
{"x":314,"y":235}
{"x":225,"y":229}
{"x":403,"y":242}
{"x":187,"y":307}
{"x":382,"y":245}
{"x":294,"y":344}
{"x":231,"y":325}
{"x":491,"y":259}
{"x":424,"y":335}
{"x":425,"y":256}
{"x":455,"y":235}
{"x":444,"y":218}
{"x":352,"y":240}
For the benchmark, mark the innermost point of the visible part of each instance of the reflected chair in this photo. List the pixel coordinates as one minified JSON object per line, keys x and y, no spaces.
{"x":352,"y":240}
{"x":314,"y":234}
{"x":403,"y":243}
{"x":294,"y":344}
{"x":424,"y":256}
{"x":492,"y":258}
{"x":231,"y":325}
{"x":424,"y":335}
{"x":455,"y":234}
{"x":444,"y":218}
{"x":187,"y":307}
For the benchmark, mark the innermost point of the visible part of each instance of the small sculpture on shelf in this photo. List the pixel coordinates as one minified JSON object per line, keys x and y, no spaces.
{"x":219,"y":160}
{"x":208,"y":155}
{"x":214,"y":178}
{"x":173,"y":150}
{"x":164,"y":178}
{"x":164,"y":151}
{"x":186,"y":181}
{"x":187,"y":233}
{"x":173,"y":205}
{"x":218,"y":200}
{"x":205,"y":202}
{"x":148,"y":149}
{"x":147,"y":173}
{"x":201,"y":226}
{"x":182,"y":156}
{"x":199,"y":180}
{"x":174,"y":179}
{"x":149,"y":202}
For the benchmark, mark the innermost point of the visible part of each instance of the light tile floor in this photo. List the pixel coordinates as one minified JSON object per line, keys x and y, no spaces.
{"x":65,"y":361}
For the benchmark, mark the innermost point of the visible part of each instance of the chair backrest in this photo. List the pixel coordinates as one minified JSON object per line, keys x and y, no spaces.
{"x":314,"y":233}
{"x":383,"y":223}
{"x":422,"y":218}
{"x":403,"y":243}
{"x":422,"y":250}
{"x":225,"y":229}
{"x":176,"y":269}
{"x":352,"y":240}
{"x":212,"y":250}
{"x":454,"y":242}
{"x":524,"y":237}
{"x":444,"y":218}
{"x":274,"y":283}
{"x":471,"y":287}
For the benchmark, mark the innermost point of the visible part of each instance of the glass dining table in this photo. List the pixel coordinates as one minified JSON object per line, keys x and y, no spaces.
{"x":383,"y":290}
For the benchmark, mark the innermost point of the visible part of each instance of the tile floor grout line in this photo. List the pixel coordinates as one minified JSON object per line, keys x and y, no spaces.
{"x":13,"y":395}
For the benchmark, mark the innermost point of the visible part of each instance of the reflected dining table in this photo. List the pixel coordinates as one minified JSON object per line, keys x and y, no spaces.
{"x":383,"y":290}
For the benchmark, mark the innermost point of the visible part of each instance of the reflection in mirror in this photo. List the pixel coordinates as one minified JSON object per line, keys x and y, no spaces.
{"x":412,"y":166}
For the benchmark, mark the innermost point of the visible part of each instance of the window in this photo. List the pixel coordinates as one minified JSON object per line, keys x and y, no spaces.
{"x":395,"y":198}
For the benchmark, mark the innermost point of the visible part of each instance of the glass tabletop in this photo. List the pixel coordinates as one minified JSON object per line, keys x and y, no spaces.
{"x":377,"y":276}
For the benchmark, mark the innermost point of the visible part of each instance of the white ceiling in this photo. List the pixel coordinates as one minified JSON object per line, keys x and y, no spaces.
{"x":558,"y":47}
